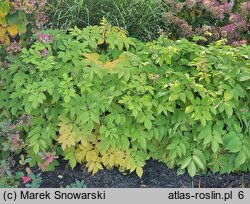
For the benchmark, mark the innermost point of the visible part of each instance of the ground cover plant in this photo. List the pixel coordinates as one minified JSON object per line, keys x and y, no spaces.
{"x":105,"y":100}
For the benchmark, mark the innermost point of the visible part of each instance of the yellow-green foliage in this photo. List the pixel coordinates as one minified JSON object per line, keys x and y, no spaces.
{"x":105,"y":100}
{"x":86,"y":149}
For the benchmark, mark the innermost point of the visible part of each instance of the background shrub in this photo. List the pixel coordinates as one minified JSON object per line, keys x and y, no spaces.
{"x":103,"y":99}
{"x":211,"y":19}
{"x":142,"y":19}
{"x":18,"y":20}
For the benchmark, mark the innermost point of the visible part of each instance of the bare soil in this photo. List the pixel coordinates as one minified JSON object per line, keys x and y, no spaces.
{"x":156,"y":175}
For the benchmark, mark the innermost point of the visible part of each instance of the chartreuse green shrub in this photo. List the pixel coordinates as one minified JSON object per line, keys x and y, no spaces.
{"x":105,"y":100}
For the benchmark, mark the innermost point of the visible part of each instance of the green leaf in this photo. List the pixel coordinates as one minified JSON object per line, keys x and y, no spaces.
{"x":139,"y":171}
{"x":203,"y":121}
{"x":147,"y":123}
{"x":22,"y":22}
{"x":143,"y":142}
{"x":35,"y":104}
{"x":156,"y":134}
{"x":160,"y":109}
{"x":240,"y":159}
{"x":13,"y":18}
{"x":118,"y":119}
{"x":173,"y":96}
{"x":228,"y":95}
{"x":170,"y":108}
{"x":14,"y":108}
{"x":201,"y":156}
{"x":104,"y":145}
{"x":32,"y":176}
{"x":207,"y":115}
{"x":125,"y":143}
{"x":206,"y":132}
{"x":67,"y":98}
{"x":243,"y":77}
{"x":183,"y":149}
{"x":189,"y":94}
{"x":72,"y":163}
{"x":183,"y":97}
{"x":95,"y":117}
{"x":232,"y":142}
{"x":198,"y":162}
{"x":246,"y":150}
{"x":215,"y":145}
{"x":28,"y":107}
{"x":217,"y":136}
{"x":83,"y":117}
{"x":189,"y":109}
{"x":191,"y":169}
{"x":36,"y":148}
{"x":229,"y":110}
{"x":185,"y":162}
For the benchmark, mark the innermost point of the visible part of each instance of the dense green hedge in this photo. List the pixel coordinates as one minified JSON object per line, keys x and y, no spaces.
{"x":103,"y":99}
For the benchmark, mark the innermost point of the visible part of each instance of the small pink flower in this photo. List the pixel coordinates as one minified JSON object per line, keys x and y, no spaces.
{"x":190,"y":3}
{"x":227,"y":7}
{"x":14,"y":47}
{"x":242,"y":25}
{"x":44,"y":52}
{"x":234,"y":18}
{"x":26,"y":5}
{"x":42,"y":3}
{"x":217,"y":12}
{"x":45,"y":38}
{"x":44,"y":166}
{"x":41,"y":19}
{"x":5,"y":64}
{"x":229,"y":31}
{"x":50,"y":159}
{"x":209,"y":3}
{"x":26,"y":179}
{"x":239,"y":43}
{"x":16,"y":139}
{"x":245,"y":8}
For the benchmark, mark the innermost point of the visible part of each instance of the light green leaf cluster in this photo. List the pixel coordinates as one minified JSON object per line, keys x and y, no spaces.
{"x":101,"y":99}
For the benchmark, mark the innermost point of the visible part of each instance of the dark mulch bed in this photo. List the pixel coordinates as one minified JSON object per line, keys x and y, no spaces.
{"x":156,"y":175}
